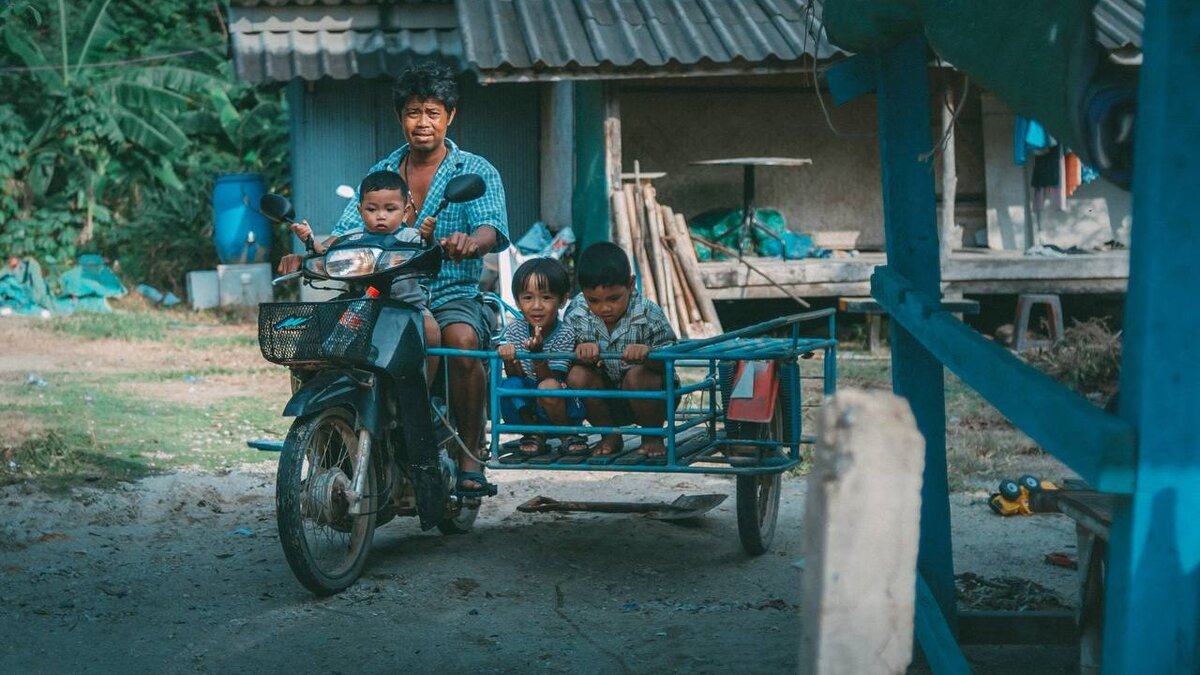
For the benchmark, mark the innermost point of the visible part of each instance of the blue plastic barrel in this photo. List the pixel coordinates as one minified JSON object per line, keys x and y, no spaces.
{"x":240,"y":232}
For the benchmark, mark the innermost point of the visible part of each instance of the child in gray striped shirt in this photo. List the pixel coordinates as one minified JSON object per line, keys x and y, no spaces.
{"x":541,"y":286}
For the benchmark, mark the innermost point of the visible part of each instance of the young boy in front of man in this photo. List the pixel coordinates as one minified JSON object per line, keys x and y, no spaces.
{"x":385,"y":204}
{"x":610,"y":316}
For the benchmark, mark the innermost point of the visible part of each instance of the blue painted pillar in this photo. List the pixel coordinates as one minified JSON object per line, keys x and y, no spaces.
{"x":910,"y":225}
{"x":1152,"y":602}
{"x":589,"y":207}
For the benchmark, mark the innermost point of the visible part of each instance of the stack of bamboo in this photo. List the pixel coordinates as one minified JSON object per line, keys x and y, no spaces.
{"x":661,"y":247}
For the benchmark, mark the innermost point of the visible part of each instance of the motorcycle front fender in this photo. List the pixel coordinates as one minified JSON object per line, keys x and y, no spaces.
{"x":331,"y":388}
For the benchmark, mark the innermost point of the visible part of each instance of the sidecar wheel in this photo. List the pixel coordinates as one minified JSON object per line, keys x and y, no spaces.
{"x":324,"y":544}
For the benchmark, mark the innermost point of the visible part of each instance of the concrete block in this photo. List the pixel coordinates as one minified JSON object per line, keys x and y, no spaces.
{"x":861,"y":526}
{"x":203,"y":289}
{"x":247,"y":284}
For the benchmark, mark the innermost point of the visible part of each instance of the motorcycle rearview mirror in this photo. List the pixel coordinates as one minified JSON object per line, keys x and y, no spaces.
{"x":461,"y":189}
{"x":277,"y":208}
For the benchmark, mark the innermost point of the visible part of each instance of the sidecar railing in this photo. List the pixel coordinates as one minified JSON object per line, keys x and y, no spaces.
{"x":698,"y":439}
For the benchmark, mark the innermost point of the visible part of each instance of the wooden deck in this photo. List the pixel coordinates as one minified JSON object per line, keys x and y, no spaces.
{"x":982,"y":273}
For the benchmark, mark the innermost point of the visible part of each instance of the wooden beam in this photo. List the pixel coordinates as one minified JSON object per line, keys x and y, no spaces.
{"x":1097,"y":445}
{"x":960,"y":268}
{"x":1031,"y":627}
{"x":862,"y":490}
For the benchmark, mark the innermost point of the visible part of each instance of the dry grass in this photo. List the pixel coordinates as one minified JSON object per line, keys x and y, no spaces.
{"x":1087,"y":359}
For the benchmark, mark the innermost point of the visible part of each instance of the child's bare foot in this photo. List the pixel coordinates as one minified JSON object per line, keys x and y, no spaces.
{"x":652,"y":447}
{"x":609,"y":445}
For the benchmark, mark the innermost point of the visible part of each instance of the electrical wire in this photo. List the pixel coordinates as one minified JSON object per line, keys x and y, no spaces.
{"x":954,"y":113}
{"x":810,"y":18}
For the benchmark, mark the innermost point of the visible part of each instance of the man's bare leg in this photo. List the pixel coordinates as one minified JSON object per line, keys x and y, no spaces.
{"x":467,"y":385}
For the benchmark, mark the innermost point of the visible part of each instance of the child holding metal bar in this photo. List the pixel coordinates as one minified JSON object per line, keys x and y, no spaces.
{"x":541,"y":286}
{"x":610,"y":316}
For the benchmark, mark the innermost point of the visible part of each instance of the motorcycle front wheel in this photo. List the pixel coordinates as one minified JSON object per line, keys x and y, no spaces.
{"x":324,"y":544}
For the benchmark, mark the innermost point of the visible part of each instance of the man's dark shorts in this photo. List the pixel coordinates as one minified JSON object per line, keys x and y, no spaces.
{"x":470,"y":311}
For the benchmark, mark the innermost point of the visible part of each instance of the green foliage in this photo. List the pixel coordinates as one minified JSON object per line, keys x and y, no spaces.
{"x":104,"y":144}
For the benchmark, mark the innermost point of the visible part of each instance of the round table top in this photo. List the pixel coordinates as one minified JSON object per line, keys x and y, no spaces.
{"x":755,"y":161}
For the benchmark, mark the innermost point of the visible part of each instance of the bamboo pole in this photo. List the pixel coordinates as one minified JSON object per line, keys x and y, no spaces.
{"x":638,"y":251}
{"x":654,"y":246}
{"x":693,"y":312}
{"x":691,"y":270}
{"x":621,"y":231}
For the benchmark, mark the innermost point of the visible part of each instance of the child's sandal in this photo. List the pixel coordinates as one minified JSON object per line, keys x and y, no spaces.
{"x":576,"y":446}
{"x":532,"y":445}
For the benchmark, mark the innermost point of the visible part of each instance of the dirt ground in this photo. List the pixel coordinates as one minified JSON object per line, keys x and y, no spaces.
{"x":183,"y":572}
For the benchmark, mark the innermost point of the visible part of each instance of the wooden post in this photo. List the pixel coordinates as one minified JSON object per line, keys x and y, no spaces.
{"x":557,"y":153}
{"x":861,"y":526}
{"x":911,"y":233}
{"x":949,"y":176}
{"x":612,"y":134}
{"x":1152,"y":604}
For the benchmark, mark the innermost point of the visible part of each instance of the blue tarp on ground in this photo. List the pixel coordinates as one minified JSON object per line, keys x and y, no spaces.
{"x":85,"y":287}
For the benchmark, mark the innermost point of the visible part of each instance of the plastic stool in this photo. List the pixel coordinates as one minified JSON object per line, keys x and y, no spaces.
{"x":1025,"y":304}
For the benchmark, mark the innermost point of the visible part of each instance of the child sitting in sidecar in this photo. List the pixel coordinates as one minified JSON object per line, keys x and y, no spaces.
{"x":610,"y":315}
{"x":541,"y":286}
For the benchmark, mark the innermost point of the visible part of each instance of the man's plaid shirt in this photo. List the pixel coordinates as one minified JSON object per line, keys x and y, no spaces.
{"x":644,"y":323}
{"x":458,"y":279}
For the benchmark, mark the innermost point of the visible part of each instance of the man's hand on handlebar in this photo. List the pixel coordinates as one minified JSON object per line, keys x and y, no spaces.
{"x":459,"y":246}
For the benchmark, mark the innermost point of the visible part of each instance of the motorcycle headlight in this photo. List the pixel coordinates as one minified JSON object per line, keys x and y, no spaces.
{"x":351,"y":262}
{"x":392,"y":259}
{"x":316,"y":265}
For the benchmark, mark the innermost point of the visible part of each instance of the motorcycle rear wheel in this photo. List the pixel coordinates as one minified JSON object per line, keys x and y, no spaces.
{"x":462,"y":521}
{"x":325,"y":546}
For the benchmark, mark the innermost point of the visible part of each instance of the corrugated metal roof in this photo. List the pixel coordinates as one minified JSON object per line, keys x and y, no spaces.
{"x":278,"y":40}
{"x":550,"y":39}
{"x":1119,"y":22}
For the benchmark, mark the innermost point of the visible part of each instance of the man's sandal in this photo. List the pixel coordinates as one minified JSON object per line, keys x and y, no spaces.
{"x":485,"y":488}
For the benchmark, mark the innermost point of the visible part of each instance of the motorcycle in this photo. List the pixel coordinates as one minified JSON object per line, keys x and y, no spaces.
{"x":364,"y":446}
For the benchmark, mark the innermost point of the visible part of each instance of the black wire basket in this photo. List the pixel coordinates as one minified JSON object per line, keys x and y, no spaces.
{"x":305,"y":332}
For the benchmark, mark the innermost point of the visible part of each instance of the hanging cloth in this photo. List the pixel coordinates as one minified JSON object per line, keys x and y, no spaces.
{"x":1072,"y":173}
